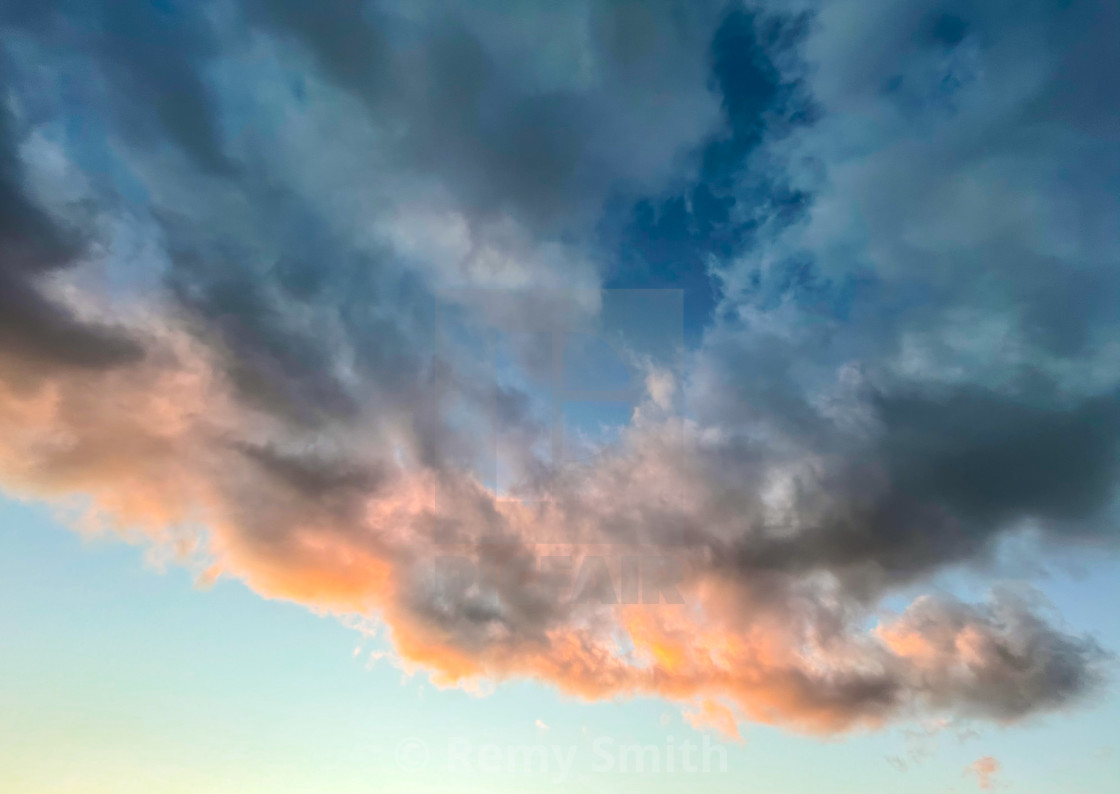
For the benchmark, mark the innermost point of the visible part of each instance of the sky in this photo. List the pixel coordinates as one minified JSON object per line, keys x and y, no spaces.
{"x":588,"y":396}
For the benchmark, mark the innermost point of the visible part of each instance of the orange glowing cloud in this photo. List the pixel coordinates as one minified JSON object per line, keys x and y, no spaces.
{"x":163,"y":451}
{"x":714,"y":716}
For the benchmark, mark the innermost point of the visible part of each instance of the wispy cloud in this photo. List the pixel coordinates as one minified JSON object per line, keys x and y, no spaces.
{"x":984,"y":770}
{"x":712,"y":715}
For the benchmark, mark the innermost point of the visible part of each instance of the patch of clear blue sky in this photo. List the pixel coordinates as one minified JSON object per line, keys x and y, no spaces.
{"x":127,"y":679}
{"x":672,"y":240}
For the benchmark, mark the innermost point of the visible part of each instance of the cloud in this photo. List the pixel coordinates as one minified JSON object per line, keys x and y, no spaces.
{"x":36,"y":326}
{"x":503,"y":125}
{"x":298,"y":303}
{"x":1001,"y":659}
{"x":984,"y":769}
{"x":713,"y":715}
{"x":152,"y":60}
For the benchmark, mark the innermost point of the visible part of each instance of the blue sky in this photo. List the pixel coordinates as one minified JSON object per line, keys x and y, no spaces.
{"x":365,"y":365}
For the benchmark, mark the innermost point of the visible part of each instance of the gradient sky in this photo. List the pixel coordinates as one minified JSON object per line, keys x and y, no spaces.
{"x":355,"y":355}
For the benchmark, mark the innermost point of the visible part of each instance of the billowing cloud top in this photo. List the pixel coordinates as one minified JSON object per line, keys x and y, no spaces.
{"x":293,"y":289}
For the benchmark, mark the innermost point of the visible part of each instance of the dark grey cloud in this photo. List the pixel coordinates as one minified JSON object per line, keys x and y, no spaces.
{"x":32,"y":241}
{"x":152,"y":58}
{"x":34,"y":327}
{"x":1008,"y":661}
{"x":36,"y":330}
{"x":944,"y":478}
{"x":315,"y":475}
{"x":540,"y":131}
{"x":994,"y":459}
{"x":156,"y":56}
{"x":346,"y":40}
